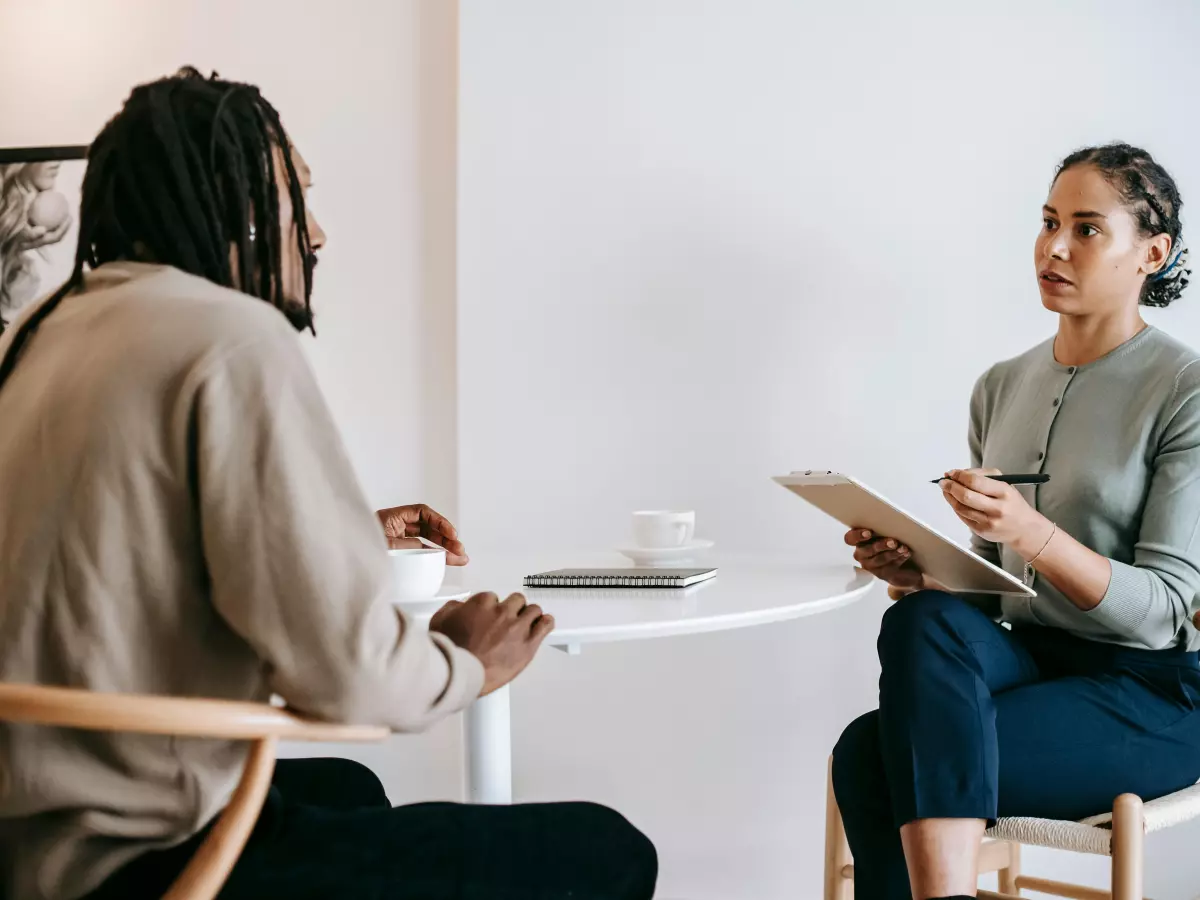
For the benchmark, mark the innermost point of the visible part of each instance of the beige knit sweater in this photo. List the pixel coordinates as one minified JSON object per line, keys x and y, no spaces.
{"x":178,"y":516}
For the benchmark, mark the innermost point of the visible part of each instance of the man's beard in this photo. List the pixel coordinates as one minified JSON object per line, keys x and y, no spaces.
{"x":298,"y":312}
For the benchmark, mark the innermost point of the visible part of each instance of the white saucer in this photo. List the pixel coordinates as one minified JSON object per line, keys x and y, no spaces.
{"x":437,"y":601}
{"x":665,"y":556}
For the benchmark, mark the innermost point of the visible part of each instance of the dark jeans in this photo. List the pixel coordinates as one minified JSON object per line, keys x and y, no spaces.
{"x":976,"y":721}
{"x":327,"y":831}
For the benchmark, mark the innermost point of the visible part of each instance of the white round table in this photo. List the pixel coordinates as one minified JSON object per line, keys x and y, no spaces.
{"x":746,"y":591}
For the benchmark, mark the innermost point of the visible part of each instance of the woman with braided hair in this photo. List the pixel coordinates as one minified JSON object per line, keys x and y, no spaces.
{"x":179,"y":517}
{"x":1093,"y":688}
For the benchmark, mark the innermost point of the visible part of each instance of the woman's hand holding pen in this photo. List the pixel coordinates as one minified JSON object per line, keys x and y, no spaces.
{"x":995,"y":511}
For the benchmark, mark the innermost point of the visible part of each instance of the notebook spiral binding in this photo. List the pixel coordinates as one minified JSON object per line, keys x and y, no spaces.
{"x":604,"y":581}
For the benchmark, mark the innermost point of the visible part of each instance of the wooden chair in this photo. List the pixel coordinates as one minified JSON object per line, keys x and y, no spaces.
{"x":263,"y":725}
{"x":1119,"y":835}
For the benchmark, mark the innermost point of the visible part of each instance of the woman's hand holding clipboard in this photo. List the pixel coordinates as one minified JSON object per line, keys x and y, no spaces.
{"x":887,"y":559}
{"x":902,"y":550}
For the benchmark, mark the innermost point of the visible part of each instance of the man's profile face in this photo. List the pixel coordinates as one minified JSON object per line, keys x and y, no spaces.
{"x":293,"y":263}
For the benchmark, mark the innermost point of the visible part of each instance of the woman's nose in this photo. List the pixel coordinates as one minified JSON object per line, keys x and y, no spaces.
{"x":1056,"y":247}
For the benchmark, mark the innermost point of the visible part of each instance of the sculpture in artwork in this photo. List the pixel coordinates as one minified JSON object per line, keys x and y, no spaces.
{"x":33,"y":215}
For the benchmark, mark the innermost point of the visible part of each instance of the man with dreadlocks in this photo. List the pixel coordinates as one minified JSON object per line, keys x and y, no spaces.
{"x":179,"y":517}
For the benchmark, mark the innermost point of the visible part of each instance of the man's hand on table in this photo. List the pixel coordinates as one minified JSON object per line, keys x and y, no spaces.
{"x":503,"y":636}
{"x":403,"y":523}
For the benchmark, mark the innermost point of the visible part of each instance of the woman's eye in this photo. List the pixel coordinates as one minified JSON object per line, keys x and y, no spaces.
{"x":1088,"y":230}
{"x":1049,"y":224}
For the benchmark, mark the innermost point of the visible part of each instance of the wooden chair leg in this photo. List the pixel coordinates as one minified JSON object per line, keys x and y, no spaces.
{"x":837,"y":851}
{"x":1009,"y":874}
{"x":203,"y":877}
{"x":1128,"y":843}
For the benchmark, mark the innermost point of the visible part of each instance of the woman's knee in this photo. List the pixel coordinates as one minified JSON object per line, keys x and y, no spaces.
{"x":857,"y":772}
{"x":921,"y":618}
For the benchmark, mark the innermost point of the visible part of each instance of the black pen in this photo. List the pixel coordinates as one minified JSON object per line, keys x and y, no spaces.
{"x":1007,"y":479}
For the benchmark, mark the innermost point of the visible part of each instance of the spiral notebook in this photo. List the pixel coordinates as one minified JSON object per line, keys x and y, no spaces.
{"x":628,"y":577}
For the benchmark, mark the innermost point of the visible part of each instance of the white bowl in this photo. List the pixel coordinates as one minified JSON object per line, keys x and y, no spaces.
{"x":418,"y":572}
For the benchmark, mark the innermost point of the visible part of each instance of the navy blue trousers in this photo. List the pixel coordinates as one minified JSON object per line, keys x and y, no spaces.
{"x":977,"y":721}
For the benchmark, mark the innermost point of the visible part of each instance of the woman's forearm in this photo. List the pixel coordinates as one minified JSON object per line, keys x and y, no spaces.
{"x":1080,"y":574}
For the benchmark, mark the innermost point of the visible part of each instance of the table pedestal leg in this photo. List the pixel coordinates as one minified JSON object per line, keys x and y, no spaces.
{"x":487,"y":732}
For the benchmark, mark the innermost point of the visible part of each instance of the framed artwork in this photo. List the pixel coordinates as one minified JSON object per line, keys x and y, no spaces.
{"x":39,"y":221}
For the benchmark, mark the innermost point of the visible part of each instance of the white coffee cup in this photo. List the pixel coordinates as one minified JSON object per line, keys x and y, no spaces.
{"x":659,"y":528}
{"x":418,"y":572}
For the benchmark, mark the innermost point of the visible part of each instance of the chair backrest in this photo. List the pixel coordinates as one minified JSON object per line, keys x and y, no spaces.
{"x":188,"y":717}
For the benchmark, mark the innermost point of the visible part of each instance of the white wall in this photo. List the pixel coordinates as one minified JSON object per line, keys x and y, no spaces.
{"x":366,"y":90}
{"x":704,"y":242}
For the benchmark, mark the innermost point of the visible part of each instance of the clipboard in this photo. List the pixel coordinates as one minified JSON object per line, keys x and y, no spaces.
{"x":857,"y":506}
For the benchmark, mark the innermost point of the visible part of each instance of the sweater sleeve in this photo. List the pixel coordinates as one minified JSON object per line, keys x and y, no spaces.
{"x":980,"y":407}
{"x":1149,"y":598}
{"x":296,"y":558}
{"x":988,"y":603}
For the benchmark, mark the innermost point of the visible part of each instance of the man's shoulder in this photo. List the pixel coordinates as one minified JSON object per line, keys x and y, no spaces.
{"x":208,"y":313}
{"x":167,"y":326}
